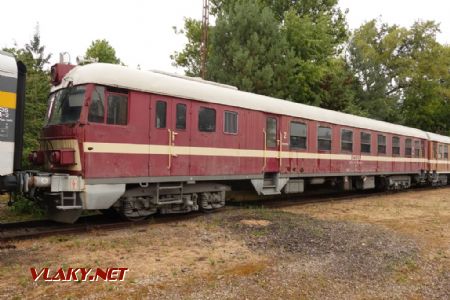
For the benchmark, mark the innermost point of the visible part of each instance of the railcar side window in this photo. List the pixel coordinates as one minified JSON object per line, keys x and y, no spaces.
{"x":446,"y":151}
{"x":161,"y":113}
{"x":381,"y":144}
{"x":117,"y":109}
{"x":230,"y":122}
{"x":408,"y":147}
{"x":298,"y":135}
{"x":97,"y":107}
{"x":435,"y":150}
{"x":395,"y":145}
{"x":181,"y":116}
{"x":365,"y":142}
{"x":441,"y":151}
{"x":207,"y":119}
{"x":423,"y":148}
{"x":347,"y":140}
{"x":417,"y":148}
{"x":271,"y":132}
{"x":324,"y":138}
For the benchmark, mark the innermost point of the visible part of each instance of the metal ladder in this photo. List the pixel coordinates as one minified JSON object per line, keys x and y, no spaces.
{"x":72,"y":198}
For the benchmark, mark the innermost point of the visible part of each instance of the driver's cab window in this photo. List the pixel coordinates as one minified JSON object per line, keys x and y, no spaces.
{"x":97,"y":107}
{"x":113,"y":111}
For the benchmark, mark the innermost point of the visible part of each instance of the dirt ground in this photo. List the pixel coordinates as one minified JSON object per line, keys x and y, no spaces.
{"x":382,"y":247}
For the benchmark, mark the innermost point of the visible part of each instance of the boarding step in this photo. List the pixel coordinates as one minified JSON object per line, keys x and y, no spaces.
{"x":270,"y":191}
{"x":69,"y":207}
{"x":69,"y":200}
{"x":270,"y":184}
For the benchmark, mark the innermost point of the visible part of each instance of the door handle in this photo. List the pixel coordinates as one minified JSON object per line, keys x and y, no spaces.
{"x":174,"y":134}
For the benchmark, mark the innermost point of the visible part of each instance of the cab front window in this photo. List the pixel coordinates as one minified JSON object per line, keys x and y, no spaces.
{"x":65,"y":105}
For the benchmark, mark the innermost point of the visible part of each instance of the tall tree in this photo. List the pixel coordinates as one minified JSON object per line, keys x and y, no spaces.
{"x":33,"y":55}
{"x":189,"y":57}
{"x":102,"y":51}
{"x":280,"y":48}
{"x":248,"y":51}
{"x":403,"y":74}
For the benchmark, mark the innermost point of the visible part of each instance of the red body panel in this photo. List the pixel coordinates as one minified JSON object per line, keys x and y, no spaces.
{"x":217,"y":153}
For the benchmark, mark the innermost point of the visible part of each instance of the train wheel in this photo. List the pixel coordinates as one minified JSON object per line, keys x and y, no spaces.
{"x":135,"y":208}
{"x":209,"y":202}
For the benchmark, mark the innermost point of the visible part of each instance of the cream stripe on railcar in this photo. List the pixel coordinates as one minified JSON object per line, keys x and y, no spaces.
{"x":122,"y":148}
{"x":147,"y":81}
{"x":8,"y":86}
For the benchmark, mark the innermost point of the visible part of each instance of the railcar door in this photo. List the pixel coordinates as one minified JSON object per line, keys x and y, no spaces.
{"x":180,"y":129}
{"x":169,"y":136}
{"x":271,"y":147}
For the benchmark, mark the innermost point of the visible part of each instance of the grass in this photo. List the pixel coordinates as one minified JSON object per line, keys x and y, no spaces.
{"x":21,"y":210}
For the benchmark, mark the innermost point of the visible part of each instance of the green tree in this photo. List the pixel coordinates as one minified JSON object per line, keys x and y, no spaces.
{"x":338,"y":88}
{"x":33,"y":55}
{"x":189,"y":57}
{"x":372,"y":55}
{"x":102,"y":51}
{"x":248,"y":51}
{"x":279,"y":48}
{"x":403,"y":74}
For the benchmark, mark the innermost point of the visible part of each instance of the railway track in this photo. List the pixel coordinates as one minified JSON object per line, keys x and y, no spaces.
{"x":43,"y":228}
{"x":37,"y":229}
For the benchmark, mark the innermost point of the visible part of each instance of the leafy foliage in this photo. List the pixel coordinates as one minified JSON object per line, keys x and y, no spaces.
{"x":302,"y":51}
{"x":102,"y":51}
{"x":284,"y":49}
{"x":189,"y":57}
{"x":34,"y":57}
{"x":247,"y":50}
{"x":403,"y":74}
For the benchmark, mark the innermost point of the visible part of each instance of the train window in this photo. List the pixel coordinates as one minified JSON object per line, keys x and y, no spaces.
{"x":298,"y":135}
{"x":181,"y":116}
{"x":347,"y":140}
{"x":423,"y":148}
{"x":441,"y":151}
{"x":417,"y":148}
{"x":381,"y":144}
{"x":324,"y":138}
{"x":97,"y":107}
{"x":271,"y":132}
{"x":117,"y":112}
{"x":435,"y":150}
{"x":66,"y":106}
{"x":230,"y":122}
{"x":207,"y":119}
{"x":161,"y":112}
{"x":395,"y":145}
{"x":446,"y":151}
{"x":365,"y":142}
{"x":408,"y":147}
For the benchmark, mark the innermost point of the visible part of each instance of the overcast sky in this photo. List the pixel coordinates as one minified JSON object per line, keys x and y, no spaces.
{"x":141,"y":31}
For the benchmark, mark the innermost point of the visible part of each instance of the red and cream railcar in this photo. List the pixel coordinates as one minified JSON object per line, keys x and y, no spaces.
{"x":439,"y":161}
{"x":142,"y":142}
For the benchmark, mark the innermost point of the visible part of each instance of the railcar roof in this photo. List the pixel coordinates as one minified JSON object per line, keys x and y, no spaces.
{"x":438,"y":138}
{"x":160,"y":83}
